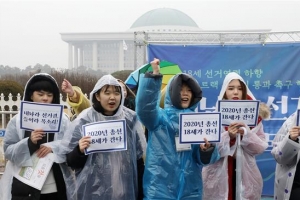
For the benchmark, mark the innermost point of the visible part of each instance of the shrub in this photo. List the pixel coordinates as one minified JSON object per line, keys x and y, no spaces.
{"x":122,"y":74}
{"x":8,"y":86}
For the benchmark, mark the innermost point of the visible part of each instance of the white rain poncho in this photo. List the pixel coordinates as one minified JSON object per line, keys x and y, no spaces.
{"x":107,"y":175}
{"x":215,"y":176}
{"x":16,"y":146}
{"x":286,"y":154}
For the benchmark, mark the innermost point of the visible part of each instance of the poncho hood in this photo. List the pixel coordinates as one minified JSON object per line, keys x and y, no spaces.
{"x":107,"y":80}
{"x":41,"y":77}
{"x":172,"y":97}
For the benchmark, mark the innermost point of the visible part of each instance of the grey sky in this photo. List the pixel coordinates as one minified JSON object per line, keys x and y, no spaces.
{"x":30,"y":30}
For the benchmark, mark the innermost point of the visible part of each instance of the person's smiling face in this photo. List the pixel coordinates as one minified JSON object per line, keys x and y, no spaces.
{"x":186,"y":96}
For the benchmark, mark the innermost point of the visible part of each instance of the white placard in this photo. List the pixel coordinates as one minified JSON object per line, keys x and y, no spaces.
{"x":40,"y":115}
{"x":106,"y":136}
{"x":36,"y":175}
{"x":245,"y":111}
{"x":194,"y":127}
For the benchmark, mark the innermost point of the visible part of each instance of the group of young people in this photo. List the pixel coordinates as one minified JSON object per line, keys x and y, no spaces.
{"x":152,"y":170}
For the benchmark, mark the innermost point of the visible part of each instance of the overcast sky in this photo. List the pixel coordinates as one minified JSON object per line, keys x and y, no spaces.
{"x":30,"y":30}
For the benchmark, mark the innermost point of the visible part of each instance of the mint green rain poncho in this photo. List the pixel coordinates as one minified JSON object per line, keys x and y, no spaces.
{"x":105,"y":175}
{"x":169,"y":174}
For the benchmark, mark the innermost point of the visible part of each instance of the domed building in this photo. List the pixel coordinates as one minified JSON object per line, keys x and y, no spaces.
{"x":164,"y":19}
{"x":114,"y":51}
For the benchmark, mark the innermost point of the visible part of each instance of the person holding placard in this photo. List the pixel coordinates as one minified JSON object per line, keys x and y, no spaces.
{"x":22,"y":147}
{"x":220,"y":178}
{"x":78,"y":102}
{"x":286,"y":150}
{"x":112,"y":172}
{"x":172,"y":170}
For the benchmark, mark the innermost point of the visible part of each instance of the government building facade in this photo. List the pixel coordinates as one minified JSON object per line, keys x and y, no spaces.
{"x":114,"y":51}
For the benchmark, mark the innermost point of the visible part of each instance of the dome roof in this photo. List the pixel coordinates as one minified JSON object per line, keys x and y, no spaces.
{"x":164,"y":17}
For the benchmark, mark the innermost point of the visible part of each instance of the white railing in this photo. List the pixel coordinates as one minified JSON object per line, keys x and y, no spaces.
{"x":11,"y":103}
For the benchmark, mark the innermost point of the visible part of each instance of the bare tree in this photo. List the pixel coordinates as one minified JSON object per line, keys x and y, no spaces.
{"x":34,"y":71}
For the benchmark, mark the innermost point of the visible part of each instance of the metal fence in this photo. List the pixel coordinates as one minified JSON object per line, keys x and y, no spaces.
{"x":143,"y":39}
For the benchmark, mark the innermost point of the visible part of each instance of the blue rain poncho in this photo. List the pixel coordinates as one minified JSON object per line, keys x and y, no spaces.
{"x":169,"y":174}
{"x":107,"y":175}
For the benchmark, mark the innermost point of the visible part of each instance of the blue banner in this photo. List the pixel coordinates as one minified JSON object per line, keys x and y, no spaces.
{"x":270,"y":72}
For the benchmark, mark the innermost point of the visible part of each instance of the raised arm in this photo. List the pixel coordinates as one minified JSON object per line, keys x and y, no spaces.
{"x":75,"y":97}
{"x":148,"y":97}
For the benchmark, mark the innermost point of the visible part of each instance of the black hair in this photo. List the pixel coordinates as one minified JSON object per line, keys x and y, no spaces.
{"x":42,"y":85}
{"x":45,"y":83}
{"x":97,"y":105}
{"x":244,"y":90}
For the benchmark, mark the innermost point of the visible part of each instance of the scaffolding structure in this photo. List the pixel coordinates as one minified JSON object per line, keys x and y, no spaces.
{"x":142,"y":39}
